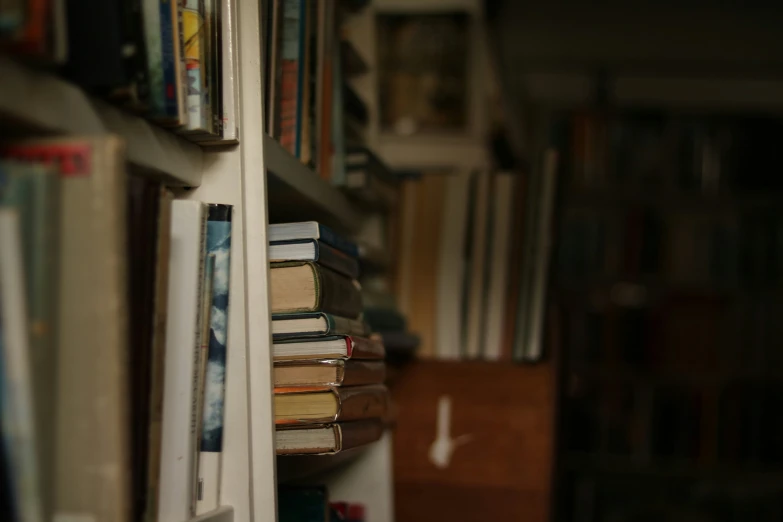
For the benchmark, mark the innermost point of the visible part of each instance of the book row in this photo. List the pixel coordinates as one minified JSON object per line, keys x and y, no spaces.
{"x":708,"y":155}
{"x":172,"y":61}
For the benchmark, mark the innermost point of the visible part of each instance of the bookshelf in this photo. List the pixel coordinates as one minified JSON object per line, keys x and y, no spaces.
{"x":34,"y":101}
{"x":263,"y":182}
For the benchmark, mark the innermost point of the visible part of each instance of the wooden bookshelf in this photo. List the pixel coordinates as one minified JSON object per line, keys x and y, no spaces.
{"x":33,"y":101}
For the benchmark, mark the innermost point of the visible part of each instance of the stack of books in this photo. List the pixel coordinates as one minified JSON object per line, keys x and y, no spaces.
{"x":328,"y":374}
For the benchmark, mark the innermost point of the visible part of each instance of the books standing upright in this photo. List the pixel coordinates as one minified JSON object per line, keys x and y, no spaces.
{"x":92,"y":458}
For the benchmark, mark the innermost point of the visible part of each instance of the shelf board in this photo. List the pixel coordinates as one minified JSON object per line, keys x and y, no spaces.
{"x":221,"y":514}
{"x":296,"y":193}
{"x":36,"y":101}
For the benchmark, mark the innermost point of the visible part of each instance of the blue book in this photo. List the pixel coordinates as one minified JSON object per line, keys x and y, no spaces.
{"x":219,"y":246}
{"x":311,"y":230}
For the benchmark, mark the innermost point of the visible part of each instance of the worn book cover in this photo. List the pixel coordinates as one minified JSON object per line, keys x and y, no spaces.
{"x":92,"y":427}
{"x":34,"y":190}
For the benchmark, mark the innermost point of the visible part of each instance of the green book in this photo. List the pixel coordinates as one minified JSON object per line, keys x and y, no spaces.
{"x":305,"y":504}
{"x":34,"y":190}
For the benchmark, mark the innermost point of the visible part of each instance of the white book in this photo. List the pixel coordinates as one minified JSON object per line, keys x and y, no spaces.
{"x":502,"y":204}
{"x":533,"y":347}
{"x":17,"y":408}
{"x":451,"y":268}
{"x":183,"y":345}
{"x":476,"y":292}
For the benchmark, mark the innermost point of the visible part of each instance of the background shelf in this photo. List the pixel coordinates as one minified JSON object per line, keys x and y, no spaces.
{"x":35,"y":101}
{"x":296,"y":193}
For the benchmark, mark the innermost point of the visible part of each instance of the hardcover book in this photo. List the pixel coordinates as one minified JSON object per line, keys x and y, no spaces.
{"x":92,"y":378}
{"x":329,"y":348}
{"x":325,"y":404}
{"x":307,"y":287}
{"x":311,"y":230}
{"x":328,"y":372}
{"x":317,"y":252}
{"x":315,"y":324}
{"x":326,"y":438}
{"x":35,"y":191}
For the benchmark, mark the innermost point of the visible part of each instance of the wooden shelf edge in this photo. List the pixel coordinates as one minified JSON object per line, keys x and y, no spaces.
{"x":39,"y":101}
{"x":323,"y":201}
{"x":221,"y":514}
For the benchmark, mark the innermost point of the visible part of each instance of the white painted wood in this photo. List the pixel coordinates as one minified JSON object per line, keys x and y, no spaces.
{"x":221,"y":514}
{"x":42,"y":102}
{"x":368,"y":480}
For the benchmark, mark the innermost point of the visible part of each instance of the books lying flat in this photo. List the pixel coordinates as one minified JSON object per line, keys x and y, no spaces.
{"x":315,"y":324}
{"x":334,"y":347}
{"x":326,"y":438}
{"x":323,"y":404}
{"x":311,"y":230}
{"x":307,"y":287}
{"x":329,"y":372}
{"x":315,"y":251}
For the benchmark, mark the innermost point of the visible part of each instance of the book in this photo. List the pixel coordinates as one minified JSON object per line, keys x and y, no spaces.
{"x":326,"y":438}
{"x":332,"y":347}
{"x":291,"y":58}
{"x":305,"y":123}
{"x":219,"y":227}
{"x":324,"y":404}
{"x":476,"y":277}
{"x":500,"y":241}
{"x":143,"y":205}
{"x":311,"y":230}
{"x":17,"y":403}
{"x":194,"y":42}
{"x":317,"y":252}
{"x":35,"y":191}
{"x":315,"y":324}
{"x":328,"y":372}
{"x":174,"y":109}
{"x":200,"y":378}
{"x":92,"y":381}
{"x":183,"y":344}
{"x":327,"y":29}
{"x":301,"y":504}
{"x":299,"y":286}
{"x":158,"y":353}
{"x":159,"y":43}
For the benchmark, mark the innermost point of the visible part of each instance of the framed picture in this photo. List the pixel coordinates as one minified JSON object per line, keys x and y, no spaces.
{"x":423,"y":68}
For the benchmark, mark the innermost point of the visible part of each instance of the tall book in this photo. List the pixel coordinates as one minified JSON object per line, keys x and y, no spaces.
{"x":34,"y":190}
{"x":219,"y":246}
{"x":142,"y":229}
{"x":500,"y":241}
{"x":162,"y":42}
{"x":294,"y":15}
{"x":195,"y":64}
{"x":92,"y":374}
{"x":183,"y":345}
{"x":158,"y":355}
{"x":476,"y":280}
{"x":307,"y":287}
{"x":16,"y":388}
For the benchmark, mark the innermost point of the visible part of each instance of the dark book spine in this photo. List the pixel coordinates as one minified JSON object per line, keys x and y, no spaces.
{"x":338,"y":294}
{"x":328,"y":236}
{"x":337,"y":261}
{"x":168,"y":59}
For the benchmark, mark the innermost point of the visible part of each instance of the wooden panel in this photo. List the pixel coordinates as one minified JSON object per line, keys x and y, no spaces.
{"x":504,"y":472}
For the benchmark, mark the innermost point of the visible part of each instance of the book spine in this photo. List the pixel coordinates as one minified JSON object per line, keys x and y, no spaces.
{"x":337,"y":294}
{"x":168,"y":59}
{"x":19,"y":430}
{"x":195,"y":402}
{"x":304,"y":10}
{"x":219,"y":246}
{"x":337,"y":261}
{"x":153,"y":39}
{"x":366,"y":348}
{"x":328,"y":236}
{"x":193,"y":20}
{"x":289,"y":82}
